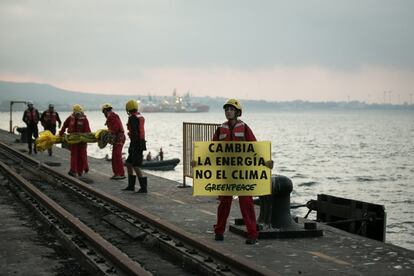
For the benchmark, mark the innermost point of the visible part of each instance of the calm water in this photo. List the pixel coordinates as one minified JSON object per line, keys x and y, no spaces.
{"x":362,"y":155}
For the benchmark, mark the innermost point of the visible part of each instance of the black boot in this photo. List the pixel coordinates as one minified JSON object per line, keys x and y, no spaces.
{"x":142,"y":184}
{"x":131,"y":183}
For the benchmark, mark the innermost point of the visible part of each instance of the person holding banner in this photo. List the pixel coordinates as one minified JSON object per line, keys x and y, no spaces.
{"x":235,"y":130}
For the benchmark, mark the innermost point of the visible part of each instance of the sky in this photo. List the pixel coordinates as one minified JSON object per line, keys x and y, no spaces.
{"x":314,"y":50}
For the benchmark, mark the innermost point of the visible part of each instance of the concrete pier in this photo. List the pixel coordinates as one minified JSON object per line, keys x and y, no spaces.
{"x":336,"y":252}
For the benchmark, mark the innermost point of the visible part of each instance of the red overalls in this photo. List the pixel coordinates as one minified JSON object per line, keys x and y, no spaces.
{"x":114,"y":124}
{"x":31,"y":118}
{"x":78,"y":153}
{"x":240,"y":132}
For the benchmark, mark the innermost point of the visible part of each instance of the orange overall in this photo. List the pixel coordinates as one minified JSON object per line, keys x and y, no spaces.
{"x":78,"y":153}
{"x":114,"y":124}
{"x":240,"y":132}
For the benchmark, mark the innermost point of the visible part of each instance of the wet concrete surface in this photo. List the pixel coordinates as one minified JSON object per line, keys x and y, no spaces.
{"x":336,"y":252}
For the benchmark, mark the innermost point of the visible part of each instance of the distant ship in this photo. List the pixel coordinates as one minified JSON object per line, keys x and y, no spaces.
{"x":175,"y":103}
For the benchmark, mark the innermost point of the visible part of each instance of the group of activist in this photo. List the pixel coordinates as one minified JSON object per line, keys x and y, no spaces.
{"x":233,"y":129}
{"x":77,"y":124}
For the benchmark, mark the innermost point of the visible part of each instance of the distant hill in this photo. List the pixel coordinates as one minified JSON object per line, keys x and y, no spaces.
{"x":43,"y":94}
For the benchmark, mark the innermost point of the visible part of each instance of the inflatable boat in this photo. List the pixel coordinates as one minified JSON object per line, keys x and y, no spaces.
{"x":160,"y":165}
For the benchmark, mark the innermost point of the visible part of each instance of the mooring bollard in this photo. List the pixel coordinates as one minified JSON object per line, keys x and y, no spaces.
{"x":275,"y":220}
{"x":275,"y":208}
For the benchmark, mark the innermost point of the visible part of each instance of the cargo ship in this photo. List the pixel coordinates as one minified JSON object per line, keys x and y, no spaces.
{"x":175,"y":103}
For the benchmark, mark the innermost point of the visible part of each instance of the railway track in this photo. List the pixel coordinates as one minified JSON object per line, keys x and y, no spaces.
{"x":110,"y":236}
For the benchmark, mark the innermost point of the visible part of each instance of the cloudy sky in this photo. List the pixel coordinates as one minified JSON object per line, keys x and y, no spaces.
{"x":317,"y":50}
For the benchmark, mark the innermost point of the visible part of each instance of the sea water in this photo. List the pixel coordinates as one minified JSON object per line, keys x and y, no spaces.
{"x":363,"y":155}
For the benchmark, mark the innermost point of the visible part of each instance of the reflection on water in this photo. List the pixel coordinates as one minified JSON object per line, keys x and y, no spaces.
{"x":362,"y":155}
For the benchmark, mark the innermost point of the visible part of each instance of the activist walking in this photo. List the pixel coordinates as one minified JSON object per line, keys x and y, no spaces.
{"x":49,"y":119}
{"x":31,"y":118}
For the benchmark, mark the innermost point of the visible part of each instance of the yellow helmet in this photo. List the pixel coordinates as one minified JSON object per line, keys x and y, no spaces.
{"x":234,"y":103}
{"x":131,"y":105}
{"x":106,"y":106}
{"x":77,"y":108}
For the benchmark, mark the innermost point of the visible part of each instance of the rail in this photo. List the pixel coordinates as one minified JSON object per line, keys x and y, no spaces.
{"x":193,"y":132}
{"x":11,"y":113}
{"x":114,"y":254}
{"x":240,"y":264}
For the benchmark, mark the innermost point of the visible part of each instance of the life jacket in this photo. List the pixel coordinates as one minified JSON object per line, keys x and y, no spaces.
{"x":31,"y":116}
{"x":141,"y":129}
{"x":238,"y":133}
{"x":115,"y":123}
{"x":76,"y":124}
{"x":50,"y":118}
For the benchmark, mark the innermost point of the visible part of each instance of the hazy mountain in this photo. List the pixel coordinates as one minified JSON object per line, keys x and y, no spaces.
{"x":43,"y":94}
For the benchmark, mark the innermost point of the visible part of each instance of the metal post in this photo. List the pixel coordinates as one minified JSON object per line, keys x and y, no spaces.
{"x":194,"y":132}
{"x":184,"y":154}
{"x":11,"y":120}
{"x":11,"y":113}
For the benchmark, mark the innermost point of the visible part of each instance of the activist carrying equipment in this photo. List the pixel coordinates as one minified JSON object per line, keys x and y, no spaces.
{"x":275,"y":220}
